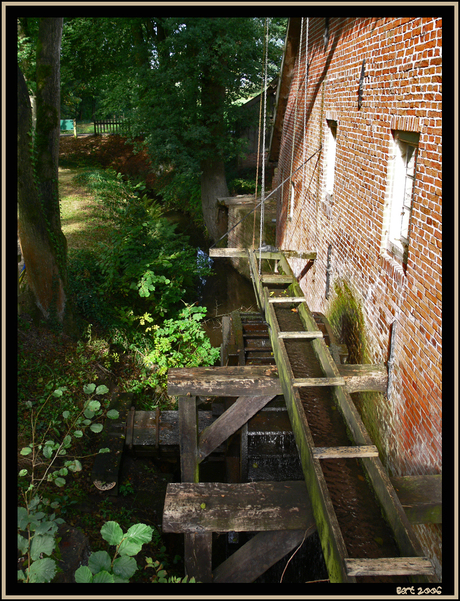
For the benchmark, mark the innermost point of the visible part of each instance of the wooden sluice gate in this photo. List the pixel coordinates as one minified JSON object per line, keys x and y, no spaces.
{"x":295,"y":508}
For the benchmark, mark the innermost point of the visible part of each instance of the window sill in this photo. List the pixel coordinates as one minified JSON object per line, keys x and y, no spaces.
{"x":393,"y":268}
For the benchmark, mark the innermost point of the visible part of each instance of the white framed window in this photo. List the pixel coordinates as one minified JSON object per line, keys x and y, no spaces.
{"x":330,"y":156}
{"x":400,"y":193}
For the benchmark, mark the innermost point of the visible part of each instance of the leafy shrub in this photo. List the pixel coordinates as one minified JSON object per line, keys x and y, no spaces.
{"x":119,"y":569}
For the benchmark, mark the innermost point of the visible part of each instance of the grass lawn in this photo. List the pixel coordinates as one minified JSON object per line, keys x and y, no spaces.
{"x":80,"y":219}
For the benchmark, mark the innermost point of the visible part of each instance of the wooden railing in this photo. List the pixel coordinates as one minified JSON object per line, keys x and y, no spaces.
{"x":111,"y":126}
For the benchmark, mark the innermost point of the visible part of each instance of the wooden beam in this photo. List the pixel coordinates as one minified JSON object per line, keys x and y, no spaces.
{"x":287,"y":299}
{"x":258,"y":555}
{"x":421,"y":497}
{"x":216,"y":253}
{"x":359,"y":378}
{"x":389,"y":566}
{"x":247,"y":507}
{"x":344,"y":452}
{"x":304,"y":382}
{"x":301,"y":334}
{"x":276,"y":278}
{"x":229,"y":422}
{"x":224,"y":381}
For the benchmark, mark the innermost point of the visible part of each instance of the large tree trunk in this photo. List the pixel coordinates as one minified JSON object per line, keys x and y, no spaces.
{"x":213,"y":186}
{"x":213,"y":180}
{"x":42,"y":242}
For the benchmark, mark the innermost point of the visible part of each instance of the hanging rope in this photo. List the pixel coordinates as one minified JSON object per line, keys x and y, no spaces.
{"x":291,"y":199}
{"x":262,"y":210}
{"x":258,"y":150}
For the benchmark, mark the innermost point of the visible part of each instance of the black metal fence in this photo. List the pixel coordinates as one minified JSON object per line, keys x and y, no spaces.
{"x":111,"y":126}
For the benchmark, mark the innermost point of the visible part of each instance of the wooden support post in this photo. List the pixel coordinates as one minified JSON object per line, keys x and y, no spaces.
{"x":229,"y":422}
{"x":197,"y":547}
{"x":311,"y":382}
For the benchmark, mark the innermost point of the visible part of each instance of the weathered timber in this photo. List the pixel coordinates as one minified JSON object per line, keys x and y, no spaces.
{"x":243,"y":253}
{"x":188,"y":437}
{"x":197,"y":546}
{"x":344,"y":452}
{"x":237,"y":329}
{"x":276,"y":278}
{"x":302,"y":334}
{"x":106,"y":466}
{"x":198,"y":556}
{"x":258,"y":555}
{"x":359,"y":378}
{"x":389,"y":566}
{"x":229,"y":422}
{"x":304,"y":382}
{"x":145,"y":428}
{"x":421,"y":497}
{"x":224,"y":381}
{"x":332,"y":543}
{"x":386,"y":495}
{"x":287,"y":300}
{"x":246,"y":507}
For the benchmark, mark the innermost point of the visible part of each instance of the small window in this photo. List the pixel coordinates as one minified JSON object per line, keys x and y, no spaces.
{"x":399,"y":208}
{"x":330,"y":156}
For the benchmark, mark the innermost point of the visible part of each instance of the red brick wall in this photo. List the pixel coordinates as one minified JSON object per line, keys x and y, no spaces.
{"x":401,"y":91}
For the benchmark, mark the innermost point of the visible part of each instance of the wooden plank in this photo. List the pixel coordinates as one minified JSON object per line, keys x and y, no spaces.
{"x":389,"y":566}
{"x":224,"y":381}
{"x":359,"y":378}
{"x":304,"y":334}
{"x":276,"y":278}
{"x":258,"y":555}
{"x":237,"y":329}
{"x":304,"y":382}
{"x":229,"y":422}
{"x":287,"y":299}
{"x":246,"y":507}
{"x":344,"y":452}
{"x":216,"y":253}
{"x":421,"y":497}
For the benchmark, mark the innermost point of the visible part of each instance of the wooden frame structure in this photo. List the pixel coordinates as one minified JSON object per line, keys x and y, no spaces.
{"x":340,"y":567}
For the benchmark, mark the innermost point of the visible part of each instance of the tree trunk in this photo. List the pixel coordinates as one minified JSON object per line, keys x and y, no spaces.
{"x":42,"y":242}
{"x":213,"y":186}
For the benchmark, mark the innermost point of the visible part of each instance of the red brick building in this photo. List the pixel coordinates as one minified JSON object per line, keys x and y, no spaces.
{"x":357,"y":138}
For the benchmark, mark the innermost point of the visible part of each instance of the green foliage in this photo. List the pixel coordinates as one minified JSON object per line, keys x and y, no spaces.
{"x":119,"y":569}
{"x":347,"y":320}
{"x":161,"y":574}
{"x":179,"y":342}
{"x":144,"y":257}
{"x":50,"y":462}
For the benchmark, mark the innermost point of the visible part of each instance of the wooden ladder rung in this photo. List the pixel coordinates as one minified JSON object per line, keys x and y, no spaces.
{"x":287,"y":299}
{"x":303,"y":382}
{"x":344,"y":452}
{"x":305,"y":334}
{"x":275,"y":278}
{"x":389,"y":566}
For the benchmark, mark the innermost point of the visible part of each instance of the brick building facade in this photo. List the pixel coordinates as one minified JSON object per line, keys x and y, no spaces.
{"x":357,"y":140}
